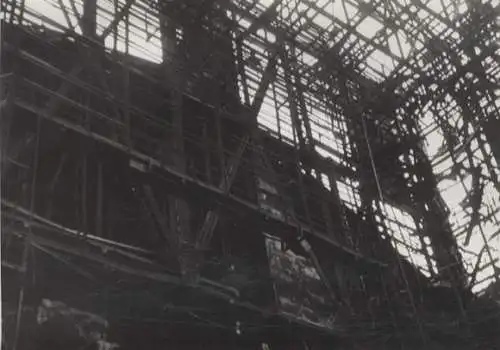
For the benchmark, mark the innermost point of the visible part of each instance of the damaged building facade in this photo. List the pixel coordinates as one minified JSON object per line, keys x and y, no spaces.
{"x":242,"y":174}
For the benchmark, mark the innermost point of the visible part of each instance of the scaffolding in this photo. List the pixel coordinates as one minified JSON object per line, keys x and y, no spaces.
{"x":234,"y":147}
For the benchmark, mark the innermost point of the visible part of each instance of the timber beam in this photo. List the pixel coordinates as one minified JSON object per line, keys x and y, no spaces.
{"x":189,"y":184}
{"x":229,"y":175}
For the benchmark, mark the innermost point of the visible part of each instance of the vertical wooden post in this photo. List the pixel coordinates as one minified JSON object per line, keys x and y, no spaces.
{"x":84,"y":195}
{"x":99,"y":204}
{"x":174,"y":145}
{"x":22,"y":292}
{"x":89,"y":18}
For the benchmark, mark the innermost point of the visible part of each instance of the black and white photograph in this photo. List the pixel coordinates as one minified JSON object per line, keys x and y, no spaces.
{"x":250,"y":174}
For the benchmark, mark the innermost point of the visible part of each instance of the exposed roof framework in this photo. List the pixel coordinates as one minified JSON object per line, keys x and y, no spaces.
{"x":396,"y":104}
{"x":433,"y":62}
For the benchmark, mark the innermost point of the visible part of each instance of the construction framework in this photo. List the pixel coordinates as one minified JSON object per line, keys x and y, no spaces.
{"x":246,"y":169}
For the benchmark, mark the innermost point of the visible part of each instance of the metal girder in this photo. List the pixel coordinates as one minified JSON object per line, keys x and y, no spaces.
{"x":334,"y":294}
{"x":477,"y":266}
{"x":95,"y":66}
{"x":159,"y":218}
{"x":17,"y":150}
{"x":263,"y":20}
{"x":118,"y":17}
{"x":212,"y":216}
{"x":123,"y":257}
{"x":292,"y":94}
{"x":173,"y":149}
{"x":75,"y":11}
{"x":66,"y":14}
{"x":184,"y":180}
{"x":64,"y":88}
{"x":90,"y":62}
{"x":70,"y":78}
{"x":267,"y":77}
{"x":62,"y":162}
{"x":89,"y":18}
{"x":303,"y":108}
{"x":241,"y":71}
